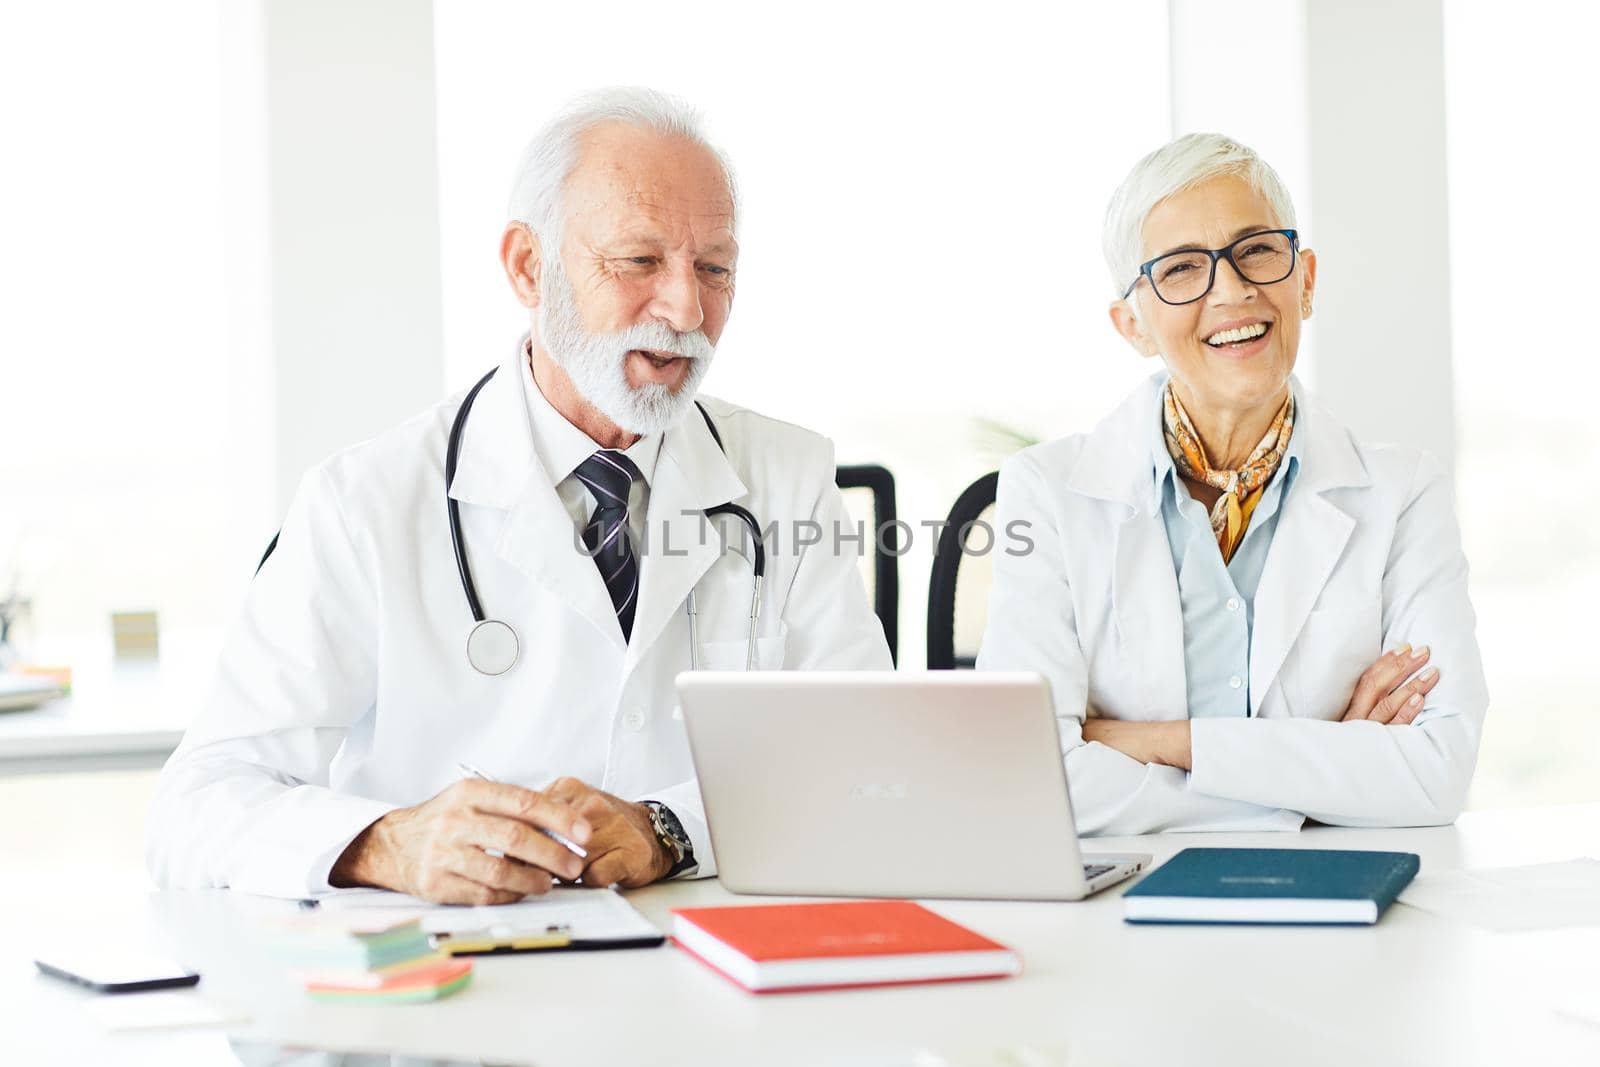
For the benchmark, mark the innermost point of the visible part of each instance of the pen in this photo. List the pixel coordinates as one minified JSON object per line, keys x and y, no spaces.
{"x":472,"y":772}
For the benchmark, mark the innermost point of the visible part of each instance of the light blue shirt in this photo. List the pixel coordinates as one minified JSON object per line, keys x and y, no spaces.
{"x":1218,"y":599}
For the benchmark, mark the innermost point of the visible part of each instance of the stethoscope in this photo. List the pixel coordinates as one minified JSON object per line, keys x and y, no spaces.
{"x":492,"y":645}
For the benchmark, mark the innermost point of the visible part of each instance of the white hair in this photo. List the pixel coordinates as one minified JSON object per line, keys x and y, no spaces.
{"x":547,"y":162}
{"x":1170,"y":169}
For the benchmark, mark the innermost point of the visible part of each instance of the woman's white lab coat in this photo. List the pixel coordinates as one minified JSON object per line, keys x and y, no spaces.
{"x":1366,"y":556}
{"x":344,"y":689}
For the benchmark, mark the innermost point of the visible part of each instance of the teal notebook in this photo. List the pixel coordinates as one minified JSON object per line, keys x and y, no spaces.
{"x":1270,"y":885}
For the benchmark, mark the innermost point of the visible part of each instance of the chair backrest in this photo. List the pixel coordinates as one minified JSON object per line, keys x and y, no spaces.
{"x":272,"y":546}
{"x":884,"y":537}
{"x":969,"y":508}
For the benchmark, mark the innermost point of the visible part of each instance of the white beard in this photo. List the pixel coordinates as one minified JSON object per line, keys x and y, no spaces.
{"x":597,"y":363}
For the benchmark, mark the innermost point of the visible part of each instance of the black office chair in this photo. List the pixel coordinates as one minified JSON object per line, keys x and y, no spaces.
{"x":885,"y":549}
{"x":272,"y":546}
{"x":884,"y":537}
{"x":969,"y":508}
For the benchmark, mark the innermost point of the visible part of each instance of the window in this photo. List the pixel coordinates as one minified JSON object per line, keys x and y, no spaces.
{"x":114,"y":484}
{"x":1522,"y":162}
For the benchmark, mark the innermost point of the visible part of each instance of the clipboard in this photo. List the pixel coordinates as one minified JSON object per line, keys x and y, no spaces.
{"x":567,"y":919}
{"x":487,"y":944}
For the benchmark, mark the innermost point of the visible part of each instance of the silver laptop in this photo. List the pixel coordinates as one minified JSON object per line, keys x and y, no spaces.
{"x":888,"y":784}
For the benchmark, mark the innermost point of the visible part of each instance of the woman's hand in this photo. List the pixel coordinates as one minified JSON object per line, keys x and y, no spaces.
{"x":1148,"y":742}
{"x":1384,"y":695}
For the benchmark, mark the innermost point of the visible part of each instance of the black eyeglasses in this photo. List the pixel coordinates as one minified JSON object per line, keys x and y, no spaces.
{"x":1261,"y":258}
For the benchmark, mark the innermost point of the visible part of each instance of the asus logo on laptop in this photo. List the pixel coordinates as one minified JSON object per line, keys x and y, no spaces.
{"x":875,"y":791}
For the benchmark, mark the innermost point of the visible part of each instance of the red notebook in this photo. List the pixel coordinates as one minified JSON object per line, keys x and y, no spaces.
{"x":790,"y":947}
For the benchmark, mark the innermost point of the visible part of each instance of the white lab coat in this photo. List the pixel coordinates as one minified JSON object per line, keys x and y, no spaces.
{"x":344,"y":689}
{"x":1366,"y":556}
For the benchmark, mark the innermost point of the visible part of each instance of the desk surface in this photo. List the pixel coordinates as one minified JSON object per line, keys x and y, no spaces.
{"x":122,"y":713}
{"x":1416,"y":989}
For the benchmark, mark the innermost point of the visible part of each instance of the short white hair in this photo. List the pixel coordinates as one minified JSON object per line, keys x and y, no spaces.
{"x":537,"y":193}
{"x":1170,"y":169}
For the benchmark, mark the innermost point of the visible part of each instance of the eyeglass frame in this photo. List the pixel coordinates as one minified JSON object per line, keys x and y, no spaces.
{"x":1215,"y":254}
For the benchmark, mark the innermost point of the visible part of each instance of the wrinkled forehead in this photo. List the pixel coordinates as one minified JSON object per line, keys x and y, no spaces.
{"x":648,"y":185}
{"x":1209,"y":214}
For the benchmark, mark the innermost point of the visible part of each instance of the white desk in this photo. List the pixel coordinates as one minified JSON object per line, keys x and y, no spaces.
{"x":1415,"y":989}
{"x":122,"y":714}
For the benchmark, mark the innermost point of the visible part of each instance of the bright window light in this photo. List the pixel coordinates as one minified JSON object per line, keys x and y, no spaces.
{"x":114,"y":381}
{"x":1522,"y":165}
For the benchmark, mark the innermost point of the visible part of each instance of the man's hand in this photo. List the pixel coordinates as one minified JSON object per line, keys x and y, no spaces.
{"x":623,"y":849}
{"x":437,"y":849}
{"x":1384,"y":695}
{"x":1148,"y":742}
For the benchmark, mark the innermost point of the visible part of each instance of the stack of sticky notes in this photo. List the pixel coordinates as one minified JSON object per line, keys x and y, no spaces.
{"x":344,"y":956}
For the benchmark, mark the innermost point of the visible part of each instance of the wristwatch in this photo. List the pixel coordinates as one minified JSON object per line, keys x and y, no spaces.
{"x":670,"y":832}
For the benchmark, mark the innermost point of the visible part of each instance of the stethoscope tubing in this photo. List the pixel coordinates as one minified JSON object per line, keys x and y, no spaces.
{"x":452,"y":453}
{"x":482,"y":625}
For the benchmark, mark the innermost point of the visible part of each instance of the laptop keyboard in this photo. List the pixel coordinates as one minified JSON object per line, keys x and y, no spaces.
{"x":1092,"y":871}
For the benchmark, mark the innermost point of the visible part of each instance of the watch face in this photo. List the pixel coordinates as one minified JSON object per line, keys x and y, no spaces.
{"x":673,"y":827}
{"x":668,"y":826}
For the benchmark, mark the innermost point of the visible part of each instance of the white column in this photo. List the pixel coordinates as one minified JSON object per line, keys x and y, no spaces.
{"x":1346,"y":101}
{"x":253,"y":506}
{"x":1377,"y":122}
{"x":335,"y":271}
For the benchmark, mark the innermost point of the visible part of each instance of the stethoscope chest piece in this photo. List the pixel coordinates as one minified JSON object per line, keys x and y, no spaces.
{"x":492,"y":647}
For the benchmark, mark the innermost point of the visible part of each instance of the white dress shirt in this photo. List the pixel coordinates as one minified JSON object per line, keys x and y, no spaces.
{"x":561,"y":447}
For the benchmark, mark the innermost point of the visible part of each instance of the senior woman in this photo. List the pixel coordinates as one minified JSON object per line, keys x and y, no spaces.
{"x":1218,"y":568}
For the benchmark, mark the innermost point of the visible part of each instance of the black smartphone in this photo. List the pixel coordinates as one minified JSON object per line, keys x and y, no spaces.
{"x":114,"y":971}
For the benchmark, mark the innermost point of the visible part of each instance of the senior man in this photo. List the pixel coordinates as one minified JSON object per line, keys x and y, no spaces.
{"x":383,"y":661}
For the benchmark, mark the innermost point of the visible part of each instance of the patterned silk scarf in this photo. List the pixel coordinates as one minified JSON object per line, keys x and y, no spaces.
{"x":1242,"y":488}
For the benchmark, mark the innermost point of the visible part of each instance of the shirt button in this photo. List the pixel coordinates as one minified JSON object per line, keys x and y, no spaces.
{"x":1233,"y":603}
{"x":1235,"y":682}
{"x":633,"y":721}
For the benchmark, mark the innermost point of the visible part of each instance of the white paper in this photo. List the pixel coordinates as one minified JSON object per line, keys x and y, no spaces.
{"x":584,"y":914}
{"x":1542,"y":896}
{"x":160,"y":1011}
{"x":342,"y":899}
{"x":1583,"y":1006}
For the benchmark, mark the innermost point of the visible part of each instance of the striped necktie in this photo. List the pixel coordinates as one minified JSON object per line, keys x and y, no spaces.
{"x":609,"y":475}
